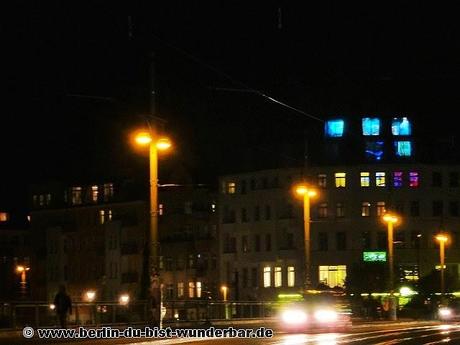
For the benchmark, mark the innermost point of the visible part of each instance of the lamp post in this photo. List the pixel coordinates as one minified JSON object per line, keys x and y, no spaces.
{"x":442,"y":239}
{"x":391,"y":220}
{"x":304,"y":191}
{"x":155,"y":144}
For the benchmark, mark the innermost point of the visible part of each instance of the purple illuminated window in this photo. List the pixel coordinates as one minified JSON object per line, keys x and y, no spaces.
{"x":397,"y":179}
{"x":413,"y":179}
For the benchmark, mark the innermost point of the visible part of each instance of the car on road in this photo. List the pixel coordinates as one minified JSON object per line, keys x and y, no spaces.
{"x":324,"y":310}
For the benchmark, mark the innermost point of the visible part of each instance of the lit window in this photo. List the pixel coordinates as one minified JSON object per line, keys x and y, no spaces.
{"x":366,"y":209}
{"x":290,"y":276}
{"x":41,"y":199}
{"x":380,"y":179}
{"x":109,"y":215}
{"x":401,"y":126}
{"x":231,"y":187}
{"x":340,"y":179}
{"x":101,"y":216}
{"x":180,"y":289}
{"x":191,"y":289}
{"x":403,"y":148}
{"x":339,"y":210}
{"x":374,"y":150}
{"x":94,"y":193}
{"x":322,"y":180}
{"x":108,"y":191}
{"x":4,"y":216}
{"x":397,"y":179}
{"x":322,"y":210}
{"x":213,"y":208}
{"x":413,"y":179}
{"x":371,"y":126}
{"x":278,"y":277}
{"x":76,"y":196}
{"x":267,"y":276}
{"x":365,"y":179}
{"x":48,"y":199}
{"x":333,"y":276}
{"x":160,"y":209}
{"x":381,"y":208}
{"x":198,"y":289}
{"x":334,"y":128}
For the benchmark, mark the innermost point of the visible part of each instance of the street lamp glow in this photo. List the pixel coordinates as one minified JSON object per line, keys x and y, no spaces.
{"x":124,"y":299}
{"x":20,"y":269}
{"x":390,"y":218}
{"x":442,"y":238}
{"x":90,"y":295}
{"x":143,"y":138}
{"x":224,"y":292}
{"x":52,"y":306}
{"x":163,"y":144}
{"x":303,"y":190}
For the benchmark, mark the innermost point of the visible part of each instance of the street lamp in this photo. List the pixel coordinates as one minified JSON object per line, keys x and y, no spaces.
{"x":303,"y":190}
{"x":442,"y":239}
{"x":155,"y":144}
{"x":90,"y":295}
{"x":391,"y":220}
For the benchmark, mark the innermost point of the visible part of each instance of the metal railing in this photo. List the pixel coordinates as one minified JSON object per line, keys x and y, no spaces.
{"x":18,"y":314}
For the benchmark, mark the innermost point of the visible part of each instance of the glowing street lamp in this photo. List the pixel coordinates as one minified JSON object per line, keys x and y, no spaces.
{"x":391,"y":220}
{"x":442,"y":239}
{"x":304,"y":191}
{"x":90,"y":295}
{"x":124,"y":299}
{"x":224,"y":292}
{"x":155,"y":144}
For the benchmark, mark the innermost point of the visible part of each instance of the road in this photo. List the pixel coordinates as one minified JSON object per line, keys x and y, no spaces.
{"x":376,"y":335}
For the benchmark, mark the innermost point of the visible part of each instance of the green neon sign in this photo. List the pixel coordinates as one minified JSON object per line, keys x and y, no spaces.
{"x":374,"y":256}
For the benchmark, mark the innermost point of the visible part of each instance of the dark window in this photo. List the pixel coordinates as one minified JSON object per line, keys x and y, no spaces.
{"x":254,"y":281}
{"x":399,"y":207}
{"x":252,"y":183}
{"x":382,"y":240}
{"x":341,"y":241}
{"x":264,"y":183}
{"x":256,"y":213}
{"x":244,"y":244}
{"x":244,"y":215}
{"x":438,"y":208}
{"x":436,"y":179}
{"x":290,"y":240}
{"x":453,"y":179}
{"x":339,"y":210}
{"x":275,"y":182}
{"x":453,"y":208}
{"x":415,"y":208}
{"x":244,"y":282}
{"x":399,"y":238}
{"x":243,"y":187}
{"x":415,"y":239}
{"x":268,"y":212}
{"x":323,"y":241}
{"x":257,"y":243}
{"x":268,"y":242}
{"x":322,"y":210}
{"x":366,"y":239}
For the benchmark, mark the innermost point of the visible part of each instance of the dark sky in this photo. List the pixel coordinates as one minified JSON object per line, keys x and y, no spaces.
{"x":77,"y":79}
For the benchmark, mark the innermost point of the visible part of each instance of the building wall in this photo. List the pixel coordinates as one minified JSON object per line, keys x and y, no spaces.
{"x":414,"y":237}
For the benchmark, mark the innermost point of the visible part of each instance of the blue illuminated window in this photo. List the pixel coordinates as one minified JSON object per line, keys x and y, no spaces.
{"x":374,"y":150}
{"x":403,"y":148}
{"x":334,"y":128}
{"x":401,"y":126}
{"x":398,"y":179}
{"x":371,"y":126}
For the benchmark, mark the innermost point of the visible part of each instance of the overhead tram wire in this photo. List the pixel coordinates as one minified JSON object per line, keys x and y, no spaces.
{"x":245,"y":87}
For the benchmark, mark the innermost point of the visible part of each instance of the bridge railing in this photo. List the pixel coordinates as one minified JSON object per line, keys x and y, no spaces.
{"x":17,"y":314}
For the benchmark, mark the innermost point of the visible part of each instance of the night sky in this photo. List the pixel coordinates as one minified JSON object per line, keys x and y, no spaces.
{"x":77,"y":80}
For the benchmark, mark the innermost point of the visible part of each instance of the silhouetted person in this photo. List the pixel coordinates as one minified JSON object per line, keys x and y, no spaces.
{"x":63,"y":305}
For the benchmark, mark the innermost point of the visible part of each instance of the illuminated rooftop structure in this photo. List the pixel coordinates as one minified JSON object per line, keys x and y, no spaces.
{"x":401,"y":126}
{"x":334,"y":128}
{"x":371,"y":126}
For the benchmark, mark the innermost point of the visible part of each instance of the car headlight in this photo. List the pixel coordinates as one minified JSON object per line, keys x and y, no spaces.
{"x":325,"y":315}
{"x":294,"y":317}
{"x":445,"y":312}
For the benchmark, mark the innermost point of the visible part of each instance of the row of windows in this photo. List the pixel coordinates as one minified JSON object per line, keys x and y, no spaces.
{"x":192,"y":261}
{"x":378,"y":179}
{"x":371,"y":126}
{"x":258,"y":243}
{"x":273,"y":276}
{"x":195,"y":290}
